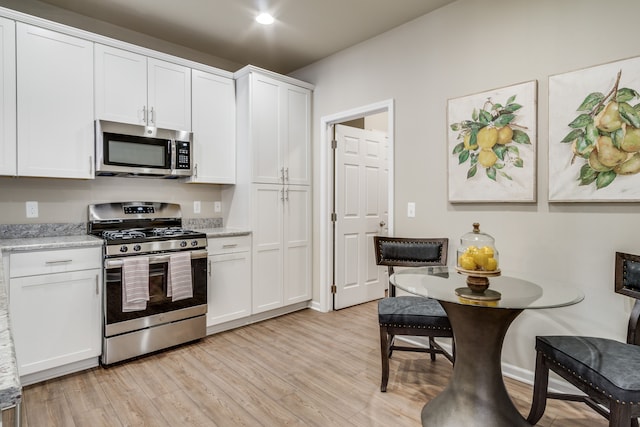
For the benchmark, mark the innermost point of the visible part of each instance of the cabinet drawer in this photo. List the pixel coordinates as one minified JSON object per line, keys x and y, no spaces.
{"x":54,"y":261}
{"x":225,"y":245}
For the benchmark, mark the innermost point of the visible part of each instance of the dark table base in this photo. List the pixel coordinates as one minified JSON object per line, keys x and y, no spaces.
{"x":476,"y":394}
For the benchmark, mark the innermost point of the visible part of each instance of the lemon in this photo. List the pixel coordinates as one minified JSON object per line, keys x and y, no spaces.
{"x":491,"y":264}
{"x":471,"y":250}
{"x":505,"y":135}
{"x":468,"y":146}
{"x":487,"y":158}
{"x":487,"y":250}
{"x":487,"y":137}
{"x":466,"y":262}
{"x":480,"y":258}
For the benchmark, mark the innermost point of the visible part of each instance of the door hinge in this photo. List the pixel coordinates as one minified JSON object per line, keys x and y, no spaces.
{"x":334,"y":144}
{"x":334,"y":217}
{"x":334,"y":289}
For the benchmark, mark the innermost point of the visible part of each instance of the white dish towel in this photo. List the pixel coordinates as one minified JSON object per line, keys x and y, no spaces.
{"x":135,"y":286}
{"x":179,"y":283}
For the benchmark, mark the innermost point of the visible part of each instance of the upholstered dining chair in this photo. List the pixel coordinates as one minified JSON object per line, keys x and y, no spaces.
{"x":607,"y":371}
{"x":410,"y":315}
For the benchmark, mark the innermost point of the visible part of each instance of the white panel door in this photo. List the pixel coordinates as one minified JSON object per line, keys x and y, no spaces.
{"x":297,"y":154}
{"x":266,"y":130}
{"x":361,"y":208}
{"x":55,"y":104}
{"x":214,"y":129}
{"x":297,"y":242}
{"x":229,"y":292}
{"x":8,"y":161}
{"x":121,"y":85}
{"x":169,"y":95}
{"x":56,"y":319}
{"x":268,"y":247}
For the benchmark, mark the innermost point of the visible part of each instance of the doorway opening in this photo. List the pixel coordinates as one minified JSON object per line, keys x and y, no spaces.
{"x":328,"y":216}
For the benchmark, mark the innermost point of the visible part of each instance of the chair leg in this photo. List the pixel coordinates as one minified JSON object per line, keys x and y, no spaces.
{"x":619,"y":415}
{"x":384,"y":353}
{"x":432,"y":346}
{"x":634,"y":422}
{"x":540,"y":384}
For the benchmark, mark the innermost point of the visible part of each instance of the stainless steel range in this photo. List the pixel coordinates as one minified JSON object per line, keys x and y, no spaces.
{"x":155,"y":278}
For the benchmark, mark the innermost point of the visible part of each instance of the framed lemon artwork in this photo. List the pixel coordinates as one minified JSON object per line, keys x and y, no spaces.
{"x":594,"y":134}
{"x":492,"y":145}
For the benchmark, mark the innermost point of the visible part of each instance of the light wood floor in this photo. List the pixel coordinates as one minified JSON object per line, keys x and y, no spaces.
{"x":306,"y":369}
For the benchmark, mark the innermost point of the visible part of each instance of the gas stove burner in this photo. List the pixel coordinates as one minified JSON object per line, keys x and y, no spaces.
{"x":122,"y":234}
{"x":169,"y":231}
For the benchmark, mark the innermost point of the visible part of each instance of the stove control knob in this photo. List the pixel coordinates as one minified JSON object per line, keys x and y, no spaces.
{"x":137,"y":248}
{"x":194,"y":243}
{"x":183,"y":244}
{"x":124,"y":248}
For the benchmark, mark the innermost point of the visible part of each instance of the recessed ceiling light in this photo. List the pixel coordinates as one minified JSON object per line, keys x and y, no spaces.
{"x":265,"y":19}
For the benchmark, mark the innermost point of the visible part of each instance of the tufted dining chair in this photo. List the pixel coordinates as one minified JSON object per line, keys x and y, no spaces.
{"x":410,"y":315}
{"x":607,"y":371}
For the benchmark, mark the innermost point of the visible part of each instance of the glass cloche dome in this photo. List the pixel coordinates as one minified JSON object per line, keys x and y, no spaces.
{"x":477,"y":251}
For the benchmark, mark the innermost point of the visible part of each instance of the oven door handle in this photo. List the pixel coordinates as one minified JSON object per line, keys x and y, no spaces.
{"x":154,"y":259}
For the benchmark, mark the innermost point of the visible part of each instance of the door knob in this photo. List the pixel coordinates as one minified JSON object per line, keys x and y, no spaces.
{"x":382,"y":223}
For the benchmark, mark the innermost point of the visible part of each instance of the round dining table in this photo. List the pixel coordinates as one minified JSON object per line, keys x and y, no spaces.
{"x":476,"y":394}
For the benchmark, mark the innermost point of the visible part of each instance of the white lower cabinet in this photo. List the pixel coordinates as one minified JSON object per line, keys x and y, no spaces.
{"x":56,"y":313}
{"x":229,"y":284}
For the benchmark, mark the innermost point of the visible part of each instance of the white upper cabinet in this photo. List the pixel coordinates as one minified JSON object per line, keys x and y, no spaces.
{"x":279,"y":131}
{"x":133,"y":88}
{"x":8,"y":97}
{"x":214,"y":128}
{"x":54,"y":104}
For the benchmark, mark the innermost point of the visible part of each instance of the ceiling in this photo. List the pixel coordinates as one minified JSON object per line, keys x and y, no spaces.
{"x":304,"y":31}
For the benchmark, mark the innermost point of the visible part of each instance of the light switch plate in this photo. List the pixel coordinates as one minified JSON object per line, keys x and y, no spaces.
{"x":32,"y":209}
{"x":196,"y":206}
{"x":217,"y":207}
{"x":411,"y":210}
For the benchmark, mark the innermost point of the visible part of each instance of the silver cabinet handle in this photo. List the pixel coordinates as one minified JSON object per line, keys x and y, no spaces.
{"x":286,"y":175}
{"x":97,"y":283}
{"x":282,"y":174}
{"x":195,"y":171}
{"x":209,"y":268}
{"x":152,"y":118}
{"x":90,"y":165}
{"x":144,"y":114}
{"x":61,"y":261}
{"x":230,"y":245}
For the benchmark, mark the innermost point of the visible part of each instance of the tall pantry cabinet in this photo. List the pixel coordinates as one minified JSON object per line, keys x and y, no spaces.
{"x":273,"y":190}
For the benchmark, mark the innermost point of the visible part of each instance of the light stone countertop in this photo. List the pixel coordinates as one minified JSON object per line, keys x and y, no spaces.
{"x":10,"y":388}
{"x":224,"y":232}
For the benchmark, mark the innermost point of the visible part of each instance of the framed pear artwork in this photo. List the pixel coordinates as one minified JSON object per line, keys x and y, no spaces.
{"x":594,"y":134}
{"x":492,"y":145}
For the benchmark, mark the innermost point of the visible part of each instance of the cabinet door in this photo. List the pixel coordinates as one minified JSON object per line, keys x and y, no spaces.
{"x":121,"y":85}
{"x":7,"y":97}
{"x":267,"y":254}
{"x":56,"y":319}
{"x":297,"y":145}
{"x":229,"y":289}
{"x":266,"y":130}
{"x":214,"y":130}
{"x":169,"y":95}
{"x":55,"y":104}
{"x":297,"y":244}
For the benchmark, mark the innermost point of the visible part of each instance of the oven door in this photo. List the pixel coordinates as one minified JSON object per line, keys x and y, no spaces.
{"x":160,"y":309}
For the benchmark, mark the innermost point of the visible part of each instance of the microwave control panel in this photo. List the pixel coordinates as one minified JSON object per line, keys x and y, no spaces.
{"x":183,"y":155}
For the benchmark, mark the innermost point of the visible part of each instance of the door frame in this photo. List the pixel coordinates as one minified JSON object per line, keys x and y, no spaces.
{"x":327,"y":187}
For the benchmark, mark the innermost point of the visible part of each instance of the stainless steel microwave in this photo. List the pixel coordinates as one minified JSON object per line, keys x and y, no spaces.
{"x":141,"y":151}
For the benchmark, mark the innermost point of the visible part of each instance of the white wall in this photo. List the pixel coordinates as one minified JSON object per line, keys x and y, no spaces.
{"x":468,"y":47}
